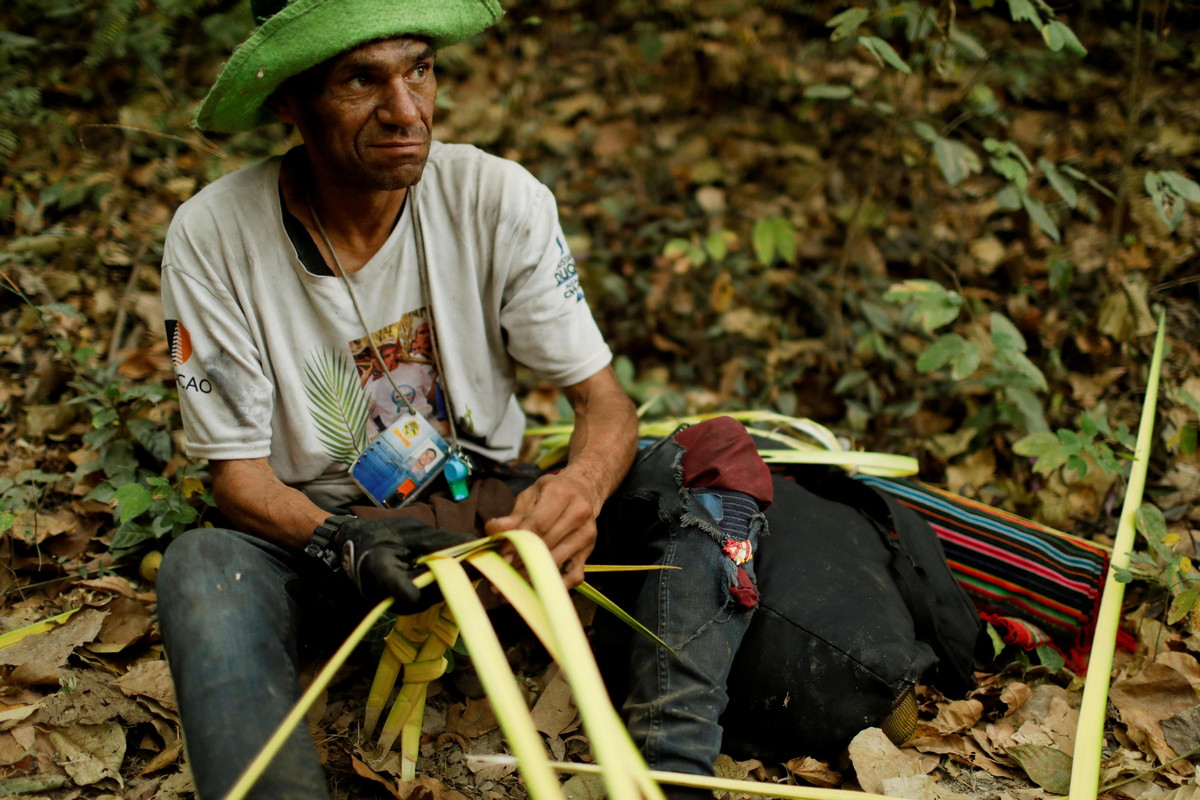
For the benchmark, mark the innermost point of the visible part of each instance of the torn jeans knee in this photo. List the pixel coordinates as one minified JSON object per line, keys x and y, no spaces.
{"x":709,"y":487}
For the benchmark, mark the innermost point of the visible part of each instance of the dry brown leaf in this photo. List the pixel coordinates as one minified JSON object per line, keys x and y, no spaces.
{"x":920,"y":787}
{"x":1182,"y":731}
{"x":110,"y":583}
{"x":164,"y":758}
{"x":876,"y":759}
{"x":149,"y":679}
{"x":126,"y":623}
{"x":11,"y":716}
{"x":35,"y":672}
{"x":91,"y":701}
{"x":976,"y":470}
{"x":91,"y":753}
{"x":1143,"y":701}
{"x":35,"y":527}
{"x":55,"y":646}
{"x":554,"y":712}
{"x":815,"y":772}
{"x":392,"y":786}
{"x":958,"y":716}
{"x":13,"y":749}
{"x":1015,"y":695}
{"x":472,"y":720}
{"x":1088,"y":389}
{"x":615,"y":138}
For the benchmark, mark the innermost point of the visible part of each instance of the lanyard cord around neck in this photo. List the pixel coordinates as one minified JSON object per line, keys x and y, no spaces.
{"x":422,"y":268}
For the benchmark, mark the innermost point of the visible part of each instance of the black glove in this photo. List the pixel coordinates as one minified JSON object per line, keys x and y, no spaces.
{"x":379,"y":555}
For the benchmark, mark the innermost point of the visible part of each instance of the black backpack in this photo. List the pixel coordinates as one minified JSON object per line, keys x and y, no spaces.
{"x":857,"y":605}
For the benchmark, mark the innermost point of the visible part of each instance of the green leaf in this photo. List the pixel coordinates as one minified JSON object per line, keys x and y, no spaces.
{"x":105,"y":416}
{"x":1040,"y":216}
{"x":129,"y":537}
{"x":153,"y":437}
{"x":884,"y":53}
{"x":763,"y":239}
{"x":63,"y":310}
{"x":133,"y":499}
{"x":1029,"y":406}
{"x":998,"y":644}
{"x":1051,"y":658}
{"x":968,"y":45}
{"x":825,"y":91}
{"x":1166,"y":203}
{"x":1048,"y":767}
{"x":1053,"y":37}
{"x":7,"y":520}
{"x":956,"y":160}
{"x":1012,"y":170}
{"x":1036,"y":444}
{"x":1005,"y":336}
{"x":962,"y":356}
{"x":1008,"y":198}
{"x":1068,"y":38}
{"x":1023,"y":10}
{"x":785,"y":239}
{"x":1187,"y":440}
{"x":337,"y":405}
{"x":1153,"y":527}
{"x":847,"y":22}
{"x":935,"y":305}
{"x":597,"y":597}
{"x":924,"y":130}
{"x":1181,"y":185}
{"x":1181,"y":606}
{"x":1064,"y":188}
{"x":716,"y":245}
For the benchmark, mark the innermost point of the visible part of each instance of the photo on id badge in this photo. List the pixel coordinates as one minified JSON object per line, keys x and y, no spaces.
{"x":403,"y":459}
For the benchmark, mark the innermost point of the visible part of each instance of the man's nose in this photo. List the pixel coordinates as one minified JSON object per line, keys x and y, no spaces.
{"x":401,"y":106}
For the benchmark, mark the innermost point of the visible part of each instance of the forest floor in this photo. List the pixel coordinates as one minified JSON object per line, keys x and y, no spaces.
{"x":665,"y":136}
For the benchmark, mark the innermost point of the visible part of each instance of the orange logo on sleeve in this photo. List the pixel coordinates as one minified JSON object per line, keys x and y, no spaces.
{"x":180,"y":342}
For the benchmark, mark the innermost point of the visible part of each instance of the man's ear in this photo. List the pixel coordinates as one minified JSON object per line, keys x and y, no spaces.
{"x":284,"y":104}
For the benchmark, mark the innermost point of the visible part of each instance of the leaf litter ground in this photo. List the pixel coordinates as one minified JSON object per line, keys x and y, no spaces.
{"x":712,"y":131}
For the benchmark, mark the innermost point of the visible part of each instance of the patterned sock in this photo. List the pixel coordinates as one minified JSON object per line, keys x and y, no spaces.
{"x":733,"y":511}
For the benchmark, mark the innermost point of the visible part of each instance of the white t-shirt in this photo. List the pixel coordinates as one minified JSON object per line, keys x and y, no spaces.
{"x":271,"y":360}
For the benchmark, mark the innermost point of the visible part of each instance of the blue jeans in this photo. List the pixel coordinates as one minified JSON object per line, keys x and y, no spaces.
{"x":672,"y":701}
{"x":236,"y":613}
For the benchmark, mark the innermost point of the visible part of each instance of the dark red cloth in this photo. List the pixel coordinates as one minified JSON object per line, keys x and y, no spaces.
{"x":721,"y":455}
{"x":743,"y":591}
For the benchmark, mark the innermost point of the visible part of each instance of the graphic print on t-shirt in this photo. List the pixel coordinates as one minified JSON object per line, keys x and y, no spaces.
{"x":351,"y":399}
{"x":407,"y":350}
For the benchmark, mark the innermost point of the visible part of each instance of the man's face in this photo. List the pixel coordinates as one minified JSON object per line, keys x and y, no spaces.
{"x":366,"y":115}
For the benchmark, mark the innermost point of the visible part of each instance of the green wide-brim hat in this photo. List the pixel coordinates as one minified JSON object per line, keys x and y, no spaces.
{"x":306,"y":32}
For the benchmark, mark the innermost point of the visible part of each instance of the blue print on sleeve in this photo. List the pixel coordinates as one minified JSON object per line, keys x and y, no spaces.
{"x":566,"y":275}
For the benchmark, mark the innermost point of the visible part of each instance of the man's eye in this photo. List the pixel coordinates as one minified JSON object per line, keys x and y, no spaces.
{"x":359,"y":81}
{"x":421,"y":71}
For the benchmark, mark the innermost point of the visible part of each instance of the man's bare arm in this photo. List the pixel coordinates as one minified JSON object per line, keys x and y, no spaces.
{"x":248,"y":492}
{"x":562,"y":508}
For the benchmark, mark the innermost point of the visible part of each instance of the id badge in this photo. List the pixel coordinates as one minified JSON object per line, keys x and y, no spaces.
{"x":402,"y":460}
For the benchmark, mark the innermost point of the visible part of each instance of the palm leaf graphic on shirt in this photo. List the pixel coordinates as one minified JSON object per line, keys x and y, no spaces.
{"x":337,"y":405}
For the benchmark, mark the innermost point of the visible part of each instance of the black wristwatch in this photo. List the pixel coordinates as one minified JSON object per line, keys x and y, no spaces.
{"x":322,"y":545}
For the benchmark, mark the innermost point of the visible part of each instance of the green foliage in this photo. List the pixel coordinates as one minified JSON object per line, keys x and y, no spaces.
{"x":1160,"y":564}
{"x":154,"y":491}
{"x":133,"y":450}
{"x":1093,"y":443}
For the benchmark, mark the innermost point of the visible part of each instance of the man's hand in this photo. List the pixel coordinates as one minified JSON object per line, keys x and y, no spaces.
{"x":380,"y":557}
{"x":562,"y":510}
